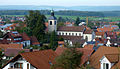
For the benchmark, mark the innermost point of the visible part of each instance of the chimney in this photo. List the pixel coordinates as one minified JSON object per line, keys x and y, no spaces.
{"x":31,"y":49}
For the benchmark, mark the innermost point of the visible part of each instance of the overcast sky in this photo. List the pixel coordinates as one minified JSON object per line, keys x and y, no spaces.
{"x":62,"y":2}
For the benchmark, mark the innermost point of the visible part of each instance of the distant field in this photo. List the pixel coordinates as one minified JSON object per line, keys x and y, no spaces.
{"x":74,"y":17}
{"x":90,"y":18}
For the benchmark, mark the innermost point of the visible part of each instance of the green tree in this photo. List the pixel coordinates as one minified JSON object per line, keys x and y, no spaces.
{"x":90,"y":24}
{"x":61,"y":20}
{"x":69,"y":59}
{"x":21,"y":51}
{"x":53,"y":40}
{"x":118,"y":25}
{"x":35,"y":21}
{"x":1,"y":34}
{"x":1,"y":55}
{"x":77,"y":21}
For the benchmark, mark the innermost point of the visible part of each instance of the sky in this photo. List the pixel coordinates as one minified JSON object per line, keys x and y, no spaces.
{"x":62,"y":2}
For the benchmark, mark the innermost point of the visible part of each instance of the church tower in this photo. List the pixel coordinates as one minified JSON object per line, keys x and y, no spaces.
{"x":52,"y":22}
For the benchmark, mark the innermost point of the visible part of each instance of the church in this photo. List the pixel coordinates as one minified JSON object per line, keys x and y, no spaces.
{"x":71,"y":34}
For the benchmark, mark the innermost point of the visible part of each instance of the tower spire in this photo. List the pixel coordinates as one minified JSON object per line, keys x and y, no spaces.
{"x":52,"y":12}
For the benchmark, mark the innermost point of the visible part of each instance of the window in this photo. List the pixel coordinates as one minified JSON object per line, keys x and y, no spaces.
{"x":72,"y":33}
{"x":55,"y":22}
{"x":27,"y":66}
{"x":105,"y":66}
{"x":66,"y":33}
{"x":69,"y":34}
{"x":59,"y":33}
{"x":50,"y":22}
{"x":76,"y":34}
{"x":79,"y":34}
{"x":18,"y":65}
{"x":62,"y":33}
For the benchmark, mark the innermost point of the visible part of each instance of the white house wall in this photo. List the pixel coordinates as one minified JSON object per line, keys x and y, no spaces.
{"x":52,"y":27}
{"x":19,"y":61}
{"x":69,"y":33}
{"x":104,"y":60}
{"x":7,"y":66}
{"x":89,"y":37}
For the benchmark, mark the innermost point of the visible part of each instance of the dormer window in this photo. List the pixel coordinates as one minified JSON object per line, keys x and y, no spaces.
{"x":105,"y":66}
{"x":50,"y":22}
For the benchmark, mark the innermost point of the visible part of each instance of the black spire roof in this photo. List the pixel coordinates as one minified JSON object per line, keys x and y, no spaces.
{"x":52,"y":17}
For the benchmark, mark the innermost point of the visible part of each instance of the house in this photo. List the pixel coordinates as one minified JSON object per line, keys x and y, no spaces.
{"x":87,"y":52}
{"x":76,"y":31}
{"x":12,"y":27}
{"x":69,"y":31}
{"x":89,"y":34}
{"x":32,"y":60}
{"x":9,"y":53}
{"x":106,"y":28}
{"x":2,"y":28}
{"x":97,"y":57}
{"x":34,"y":41}
{"x":72,"y":40}
{"x":17,"y":38}
{"x":61,"y":43}
{"x":110,"y":61}
{"x":100,"y":35}
{"x":25,"y":39}
{"x":69,"y":24}
{"x":111,"y":35}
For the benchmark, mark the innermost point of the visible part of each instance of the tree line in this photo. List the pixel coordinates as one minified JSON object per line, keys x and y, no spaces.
{"x":67,"y":13}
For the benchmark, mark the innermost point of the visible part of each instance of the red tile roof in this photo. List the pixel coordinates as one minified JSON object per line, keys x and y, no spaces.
{"x":6,"y":46}
{"x":34,"y":40}
{"x":14,"y":52}
{"x":88,"y":31}
{"x":71,"y":28}
{"x":25,"y":37}
{"x":102,"y":50}
{"x":61,"y":42}
{"x":40,"y":59}
{"x":104,"y":29}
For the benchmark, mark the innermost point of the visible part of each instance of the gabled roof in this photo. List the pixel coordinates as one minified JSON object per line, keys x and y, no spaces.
{"x":99,"y":33}
{"x":74,"y":39}
{"x":71,"y":28}
{"x":39,"y":59}
{"x":34,"y":40}
{"x":25,"y":37}
{"x":88,"y":31}
{"x":14,"y":52}
{"x":52,"y":18}
{"x":113,"y":58}
{"x":6,"y":46}
{"x":101,"y":51}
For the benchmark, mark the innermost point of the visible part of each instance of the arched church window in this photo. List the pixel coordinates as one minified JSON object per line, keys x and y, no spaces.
{"x":55,"y":22}
{"x":50,"y":22}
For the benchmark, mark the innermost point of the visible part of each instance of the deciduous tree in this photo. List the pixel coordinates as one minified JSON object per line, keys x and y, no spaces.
{"x":69,"y":59}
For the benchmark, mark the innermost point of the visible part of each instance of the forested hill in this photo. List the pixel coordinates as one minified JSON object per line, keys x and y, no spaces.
{"x":63,"y":12}
{"x":44,"y":7}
